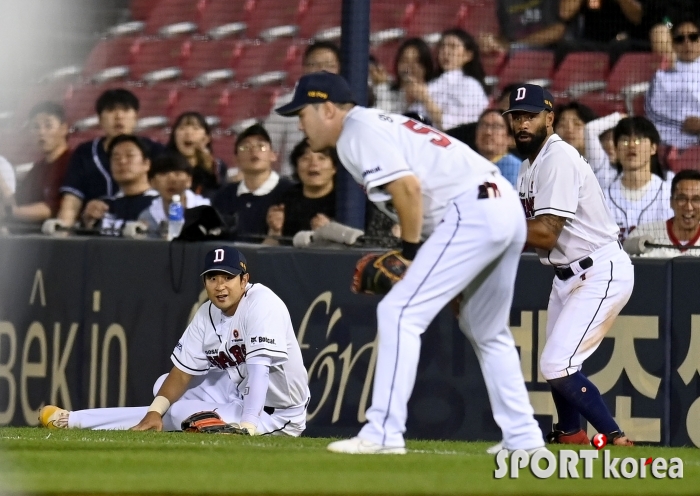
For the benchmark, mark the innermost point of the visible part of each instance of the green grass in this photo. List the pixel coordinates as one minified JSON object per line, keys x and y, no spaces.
{"x":34,"y":460}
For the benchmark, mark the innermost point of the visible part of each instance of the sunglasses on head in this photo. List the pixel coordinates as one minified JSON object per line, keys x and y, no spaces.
{"x":690,"y":37}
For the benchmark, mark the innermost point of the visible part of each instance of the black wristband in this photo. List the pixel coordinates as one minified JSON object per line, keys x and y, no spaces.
{"x":408,"y":249}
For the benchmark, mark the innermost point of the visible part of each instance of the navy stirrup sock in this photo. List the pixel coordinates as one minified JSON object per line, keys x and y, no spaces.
{"x":585,"y":397}
{"x":569,"y":417}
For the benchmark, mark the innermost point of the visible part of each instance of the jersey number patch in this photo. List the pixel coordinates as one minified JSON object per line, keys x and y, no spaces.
{"x":439,"y":139}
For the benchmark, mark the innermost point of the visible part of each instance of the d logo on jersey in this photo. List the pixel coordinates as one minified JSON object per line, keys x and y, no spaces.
{"x":218,"y":255}
{"x":521,"y":94}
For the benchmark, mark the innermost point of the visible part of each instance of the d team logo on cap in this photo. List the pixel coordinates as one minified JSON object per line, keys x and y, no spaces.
{"x":225,"y":259}
{"x":530,"y":98}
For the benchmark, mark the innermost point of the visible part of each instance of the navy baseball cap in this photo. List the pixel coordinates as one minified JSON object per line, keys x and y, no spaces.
{"x":225,"y":259}
{"x":318,"y":87}
{"x":530,"y":98}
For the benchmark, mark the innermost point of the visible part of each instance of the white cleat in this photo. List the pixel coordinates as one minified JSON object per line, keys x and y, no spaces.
{"x":53,"y":417}
{"x":357,"y":446}
{"x":493,"y":450}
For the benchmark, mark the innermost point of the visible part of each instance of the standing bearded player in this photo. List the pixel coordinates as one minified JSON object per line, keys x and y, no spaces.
{"x":570,"y":226}
{"x":443,"y":192}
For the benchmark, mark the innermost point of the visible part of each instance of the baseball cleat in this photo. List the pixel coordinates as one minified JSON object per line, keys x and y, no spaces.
{"x":619,"y":439}
{"x":493,"y":450}
{"x":357,"y":446}
{"x":53,"y":417}
{"x":496,"y":448}
{"x":561,"y":437}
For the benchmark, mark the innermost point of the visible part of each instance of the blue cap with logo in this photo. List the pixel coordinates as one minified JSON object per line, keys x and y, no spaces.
{"x":318,"y":87}
{"x":225,"y":259}
{"x":530,"y":98}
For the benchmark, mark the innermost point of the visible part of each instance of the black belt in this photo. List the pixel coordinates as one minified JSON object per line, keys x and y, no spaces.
{"x":568,"y":272}
{"x":269,"y":409}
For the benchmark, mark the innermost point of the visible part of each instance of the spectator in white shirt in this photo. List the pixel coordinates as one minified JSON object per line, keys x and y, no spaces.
{"x":641,"y":193}
{"x":682,"y":230}
{"x":600,"y":148}
{"x":673,"y":100}
{"x":459,"y":89}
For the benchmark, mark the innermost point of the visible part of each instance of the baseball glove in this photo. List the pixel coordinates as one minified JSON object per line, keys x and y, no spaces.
{"x":376,"y":274}
{"x":210,"y":423}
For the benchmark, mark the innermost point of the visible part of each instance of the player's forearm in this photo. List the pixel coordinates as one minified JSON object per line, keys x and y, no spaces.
{"x":407,"y":198}
{"x":70,"y":209}
{"x":545,"y":36}
{"x":254,"y":399}
{"x":174,"y":385}
{"x":540,"y":235}
{"x":632,"y":10}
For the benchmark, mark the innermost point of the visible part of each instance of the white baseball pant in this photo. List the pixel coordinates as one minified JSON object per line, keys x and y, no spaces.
{"x":474,"y":251}
{"x":211,"y":391}
{"x":582,"y":309}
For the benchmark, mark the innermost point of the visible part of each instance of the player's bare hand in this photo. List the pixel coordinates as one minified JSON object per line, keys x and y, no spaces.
{"x":378,"y":74}
{"x":488,"y":43}
{"x":319,"y":220}
{"x":151,"y":422}
{"x":275,"y":219}
{"x":691,"y":125}
{"x":94,"y":211}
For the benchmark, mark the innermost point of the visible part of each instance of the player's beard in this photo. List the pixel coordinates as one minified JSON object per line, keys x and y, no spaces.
{"x":527,"y":148}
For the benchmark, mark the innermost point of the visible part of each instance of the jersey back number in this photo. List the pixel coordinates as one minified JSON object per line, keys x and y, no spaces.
{"x":438,"y":139}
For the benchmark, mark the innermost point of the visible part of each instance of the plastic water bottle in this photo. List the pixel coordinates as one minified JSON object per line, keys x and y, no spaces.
{"x":176,"y":217}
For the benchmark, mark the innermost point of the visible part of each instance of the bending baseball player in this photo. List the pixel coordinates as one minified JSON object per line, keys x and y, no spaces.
{"x":440,"y":191}
{"x":239,"y":357}
{"x":570,"y":226}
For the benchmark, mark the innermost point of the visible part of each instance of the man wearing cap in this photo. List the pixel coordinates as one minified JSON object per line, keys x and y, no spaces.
{"x":239,"y":357}
{"x":462,"y":232}
{"x":571,"y":228}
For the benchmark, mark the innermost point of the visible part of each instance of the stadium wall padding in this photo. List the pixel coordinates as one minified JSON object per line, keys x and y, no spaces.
{"x":91,"y":322}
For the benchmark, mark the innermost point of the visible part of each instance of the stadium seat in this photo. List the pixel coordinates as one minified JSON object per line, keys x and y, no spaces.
{"x":156,"y":105}
{"x":389,"y":18}
{"x":527,"y":66}
{"x":175,"y":17}
{"x":480,"y":17}
{"x":386,"y":54}
{"x":273,"y":19}
{"x":257,"y":63}
{"x":687,"y":159}
{"x":433,"y":17}
{"x":109,"y":59}
{"x":629,"y":78}
{"x":581,"y":71}
{"x":205,"y":57}
{"x":224,"y":18}
{"x":245,"y":107}
{"x":157,"y":60}
{"x":222,"y":147}
{"x":141,"y":9}
{"x":320,"y":19}
{"x":80,"y":104}
{"x":210,"y":102}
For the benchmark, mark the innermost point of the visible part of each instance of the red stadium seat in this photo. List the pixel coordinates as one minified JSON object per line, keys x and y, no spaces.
{"x":175,"y":17}
{"x":527,"y":65}
{"x":480,"y":17}
{"x":433,"y":17}
{"x":158,"y":60}
{"x":260,"y":64}
{"x":246,"y":106}
{"x":386,"y":54}
{"x":109,"y":59}
{"x":579,"y":68}
{"x":210,"y":102}
{"x":320,"y":19}
{"x":222,"y":147}
{"x":80,"y":104}
{"x":687,"y":159}
{"x":389,"y":19}
{"x":222,"y":18}
{"x":156,"y":101}
{"x":205,"y":56}
{"x":272,"y":19}
{"x":141,"y":9}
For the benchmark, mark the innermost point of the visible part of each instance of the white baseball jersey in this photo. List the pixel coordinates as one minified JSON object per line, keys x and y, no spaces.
{"x":662,"y":232}
{"x":653,"y":204}
{"x":261,"y":327}
{"x":378,"y":147}
{"x":560,"y":182}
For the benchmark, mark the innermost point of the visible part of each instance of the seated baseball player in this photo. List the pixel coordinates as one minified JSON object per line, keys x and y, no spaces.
{"x":683,"y":229}
{"x":237,"y":368}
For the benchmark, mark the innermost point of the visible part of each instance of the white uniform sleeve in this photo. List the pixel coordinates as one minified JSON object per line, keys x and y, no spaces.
{"x":595,"y":153}
{"x":256,"y":391}
{"x":188,"y":355}
{"x":372,"y":156}
{"x":558,"y":185}
{"x":266,"y":326}
{"x":7,"y":173}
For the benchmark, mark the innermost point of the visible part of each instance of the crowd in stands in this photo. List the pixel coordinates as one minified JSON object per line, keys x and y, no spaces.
{"x":279,"y":187}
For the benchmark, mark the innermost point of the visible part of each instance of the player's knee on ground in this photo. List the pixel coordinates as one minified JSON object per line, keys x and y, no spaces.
{"x":159,"y":382}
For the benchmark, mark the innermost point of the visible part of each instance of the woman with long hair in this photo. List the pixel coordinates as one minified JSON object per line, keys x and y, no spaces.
{"x":641,"y":192}
{"x":191,"y":137}
{"x":459,"y":90}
